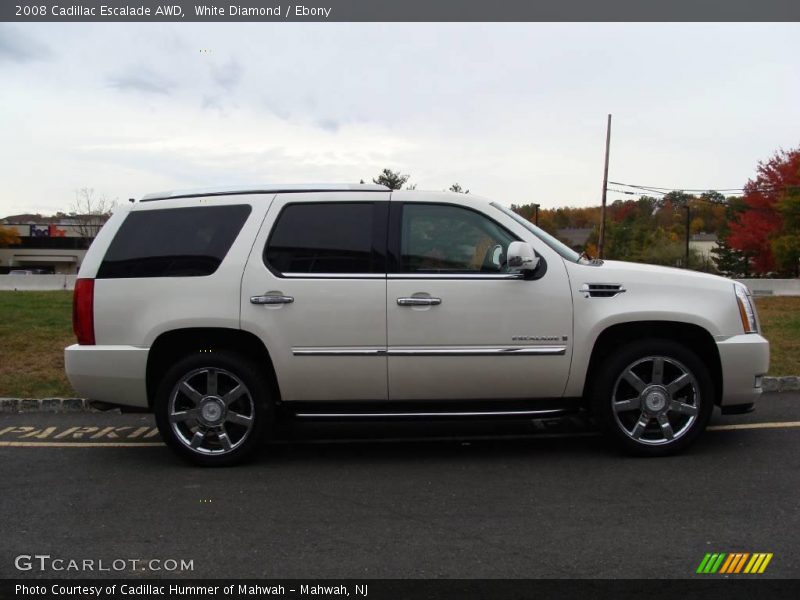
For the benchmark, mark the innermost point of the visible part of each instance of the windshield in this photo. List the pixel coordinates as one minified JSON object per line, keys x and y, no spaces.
{"x":564,"y":250}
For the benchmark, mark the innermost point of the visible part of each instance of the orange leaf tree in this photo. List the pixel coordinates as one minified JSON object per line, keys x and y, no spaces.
{"x":8,"y":236}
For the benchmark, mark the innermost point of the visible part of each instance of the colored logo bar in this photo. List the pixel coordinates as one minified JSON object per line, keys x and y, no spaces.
{"x":734,"y":563}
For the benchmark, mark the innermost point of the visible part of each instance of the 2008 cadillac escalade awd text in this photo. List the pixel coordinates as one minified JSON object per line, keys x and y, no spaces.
{"x":221,"y":310}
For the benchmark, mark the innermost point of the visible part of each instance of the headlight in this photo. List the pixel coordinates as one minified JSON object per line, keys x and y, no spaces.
{"x":746,"y":310}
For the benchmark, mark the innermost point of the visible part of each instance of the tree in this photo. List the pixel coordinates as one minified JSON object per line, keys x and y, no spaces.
{"x":786,"y":250}
{"x":660,"y":249}
{"x":394,"y":180}
{"x":770,"y":220}
{"x":526,"y":211}
{"x":8,"y":236}
{"x":730,"y":262}
{"x":786,"y":246}
{"x":677,"y":197}
{"x":648,"y":229}
{"x":90,"y":212}
{"x":456,"y":187}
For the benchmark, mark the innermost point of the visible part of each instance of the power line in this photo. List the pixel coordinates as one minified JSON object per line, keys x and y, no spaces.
{"x":622,"y":191}
{"x":673,"y":189}
{"x":665,"y":190}
{"x":747,"y":208}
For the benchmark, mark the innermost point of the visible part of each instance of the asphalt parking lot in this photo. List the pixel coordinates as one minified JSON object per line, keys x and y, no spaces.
{"x":489,"y":500}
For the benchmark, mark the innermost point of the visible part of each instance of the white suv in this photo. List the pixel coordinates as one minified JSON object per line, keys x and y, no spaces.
{"x":222,"y":310}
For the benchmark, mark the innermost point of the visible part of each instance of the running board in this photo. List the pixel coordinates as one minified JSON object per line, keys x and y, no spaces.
{"x":420,"y":411}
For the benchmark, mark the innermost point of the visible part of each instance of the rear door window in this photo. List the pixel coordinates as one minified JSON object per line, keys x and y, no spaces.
{"x":328,"y":238}
{"x":173,"y":242}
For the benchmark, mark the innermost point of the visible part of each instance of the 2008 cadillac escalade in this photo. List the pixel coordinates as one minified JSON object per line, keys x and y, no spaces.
{"x":220,"y":309}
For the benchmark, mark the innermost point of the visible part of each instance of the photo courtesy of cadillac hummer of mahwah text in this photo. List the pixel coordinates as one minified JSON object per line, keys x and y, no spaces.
{"x":225,"y":311}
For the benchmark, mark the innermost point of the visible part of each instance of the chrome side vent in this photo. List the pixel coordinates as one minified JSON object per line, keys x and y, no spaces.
{"x":601,"y":290}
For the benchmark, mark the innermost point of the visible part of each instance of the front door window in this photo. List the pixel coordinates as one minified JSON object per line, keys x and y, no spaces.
{"x":449,"y":239}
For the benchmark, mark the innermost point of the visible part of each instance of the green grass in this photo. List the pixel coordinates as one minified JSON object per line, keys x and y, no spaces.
{"x":780,"y":321}
{"x":34,"y":329}
{"x":36,"y":326}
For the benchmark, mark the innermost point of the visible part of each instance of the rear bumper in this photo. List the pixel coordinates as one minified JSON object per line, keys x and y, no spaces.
{"x":113,"y":374}
{"x":744,"y":359}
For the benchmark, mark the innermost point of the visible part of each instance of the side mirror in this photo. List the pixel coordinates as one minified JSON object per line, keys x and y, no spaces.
{"x":521,"y":258}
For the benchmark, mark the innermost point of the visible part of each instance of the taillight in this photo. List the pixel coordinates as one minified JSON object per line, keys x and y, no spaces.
{"x":83,"y":311}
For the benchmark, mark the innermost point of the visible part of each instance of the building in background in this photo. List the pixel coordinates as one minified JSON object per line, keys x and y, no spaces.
{"x":703,"y":244}
{"x":47,"y":244}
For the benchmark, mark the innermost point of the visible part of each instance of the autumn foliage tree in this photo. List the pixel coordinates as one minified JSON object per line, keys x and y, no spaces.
{"x":8,"y":236}
{"x":768,"y":230}
{"x":648,"y":229}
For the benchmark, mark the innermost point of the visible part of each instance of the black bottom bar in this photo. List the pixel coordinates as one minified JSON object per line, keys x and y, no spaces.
{"x":702,"y":587}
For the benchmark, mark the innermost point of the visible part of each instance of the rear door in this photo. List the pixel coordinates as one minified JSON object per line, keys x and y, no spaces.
{"x":461,"y":327}
{"x":314,"y":290}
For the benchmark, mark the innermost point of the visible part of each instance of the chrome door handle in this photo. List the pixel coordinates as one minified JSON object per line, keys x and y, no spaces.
{"x":416,"y":301}
{"x":271,"y":299}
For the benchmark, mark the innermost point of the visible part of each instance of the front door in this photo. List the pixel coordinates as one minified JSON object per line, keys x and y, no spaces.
{"x":461,"y":327}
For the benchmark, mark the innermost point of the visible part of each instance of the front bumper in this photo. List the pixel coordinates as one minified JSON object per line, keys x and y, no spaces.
{"x":113,"y":374}
{"x":744,"y":359}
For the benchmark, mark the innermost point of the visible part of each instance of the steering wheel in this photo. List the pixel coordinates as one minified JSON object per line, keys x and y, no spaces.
{"x":493,"y":260}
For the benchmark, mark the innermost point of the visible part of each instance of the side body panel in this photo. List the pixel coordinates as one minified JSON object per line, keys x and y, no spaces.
{"x":491,"y":337}
{"x":660,"y":294}
{"x":329,"y":343}
{"x":135,"y":311}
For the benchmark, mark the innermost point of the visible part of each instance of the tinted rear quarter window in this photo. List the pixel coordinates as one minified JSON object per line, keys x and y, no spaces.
{"x":324,"y":238}
{"x":173,"y":242}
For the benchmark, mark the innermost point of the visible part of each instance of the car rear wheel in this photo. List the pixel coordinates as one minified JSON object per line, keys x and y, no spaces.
{"x":213,"y":408}
{"x":653,"y":397}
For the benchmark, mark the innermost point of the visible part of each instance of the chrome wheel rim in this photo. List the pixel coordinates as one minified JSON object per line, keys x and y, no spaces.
{"x":656,"y":400}
{"x":211,"y":411}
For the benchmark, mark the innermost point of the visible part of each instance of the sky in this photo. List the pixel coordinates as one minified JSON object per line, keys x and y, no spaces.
{"x":512,"y":111}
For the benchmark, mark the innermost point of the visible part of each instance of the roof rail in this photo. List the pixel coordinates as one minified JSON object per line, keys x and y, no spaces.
{"x":295,"y":188}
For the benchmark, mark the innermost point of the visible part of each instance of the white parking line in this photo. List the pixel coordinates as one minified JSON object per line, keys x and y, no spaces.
{"x":778,"y":425}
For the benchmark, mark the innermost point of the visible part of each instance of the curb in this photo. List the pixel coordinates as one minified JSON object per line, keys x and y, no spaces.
{"x":789,"y":383}
{"x":50,"y":405}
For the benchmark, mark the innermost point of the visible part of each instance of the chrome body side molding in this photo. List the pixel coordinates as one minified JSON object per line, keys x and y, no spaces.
{"x":339,"y":351}
{"x":434,"y":351}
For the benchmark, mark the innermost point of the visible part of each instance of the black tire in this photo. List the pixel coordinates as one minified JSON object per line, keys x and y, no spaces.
{"x":622,"y":381}
{"x":231,"y":433}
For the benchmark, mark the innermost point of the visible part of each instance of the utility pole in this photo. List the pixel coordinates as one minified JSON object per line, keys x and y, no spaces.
{"x":536,"y":214}
{"x":602,"y":238}
{"x":688,"y":230}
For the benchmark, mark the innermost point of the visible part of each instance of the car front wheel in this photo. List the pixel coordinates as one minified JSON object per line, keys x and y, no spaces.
{"x":653,"y":397}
